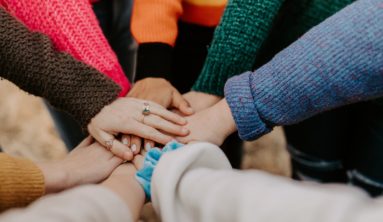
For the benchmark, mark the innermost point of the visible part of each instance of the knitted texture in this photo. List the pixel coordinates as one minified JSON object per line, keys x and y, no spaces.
{"x":246,"y":27}
{"x":73,"y":28}
{"x":155,"y":21}
{"x":336,"y":63}
{"x":144,"y":175}
{"x":29,"y":60}
{"x":21,"y":182}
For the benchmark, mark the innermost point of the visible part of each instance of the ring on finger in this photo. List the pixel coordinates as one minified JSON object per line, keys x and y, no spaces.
{"x":109,"y":144}
{"x":146,"y":109}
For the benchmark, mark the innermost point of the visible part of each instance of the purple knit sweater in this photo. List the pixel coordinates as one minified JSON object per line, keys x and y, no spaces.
{"x":336,"y":63}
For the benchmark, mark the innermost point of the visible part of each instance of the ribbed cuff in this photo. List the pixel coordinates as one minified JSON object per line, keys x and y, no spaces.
{"x":21,"y":182}
{"x":154,"y":60}
{"x":215,"y":74}
{"x":241,"y":102}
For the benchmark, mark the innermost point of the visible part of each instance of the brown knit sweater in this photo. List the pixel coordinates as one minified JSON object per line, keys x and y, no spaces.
{"x":29,"y":60}
{"x":21,"y":182}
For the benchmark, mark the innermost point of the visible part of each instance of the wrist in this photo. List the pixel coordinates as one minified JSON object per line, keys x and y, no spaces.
{"x":129,"y":190}
{"x":225,"y":117}
{"x":55,"y":177}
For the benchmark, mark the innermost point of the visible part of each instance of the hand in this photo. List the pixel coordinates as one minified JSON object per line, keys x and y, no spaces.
{"x":87,"y":163}
{"x":211,"y":125}
{"x":200,"y":101}
{"x":125,"y":116}
{"x":160,"y":91}
{"x":124,"y":184}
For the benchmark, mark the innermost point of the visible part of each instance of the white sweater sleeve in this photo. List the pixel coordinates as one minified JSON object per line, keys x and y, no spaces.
{"x":90,"y":203}
{"x":196,"y":183}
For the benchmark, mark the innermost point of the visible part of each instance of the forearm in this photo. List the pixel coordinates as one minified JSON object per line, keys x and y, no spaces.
{"x":243,"y":29}
{"x":73,"y":28}
{"x":91,"y":203}
{"x":336,"y":63}
{"x":29,"y":60}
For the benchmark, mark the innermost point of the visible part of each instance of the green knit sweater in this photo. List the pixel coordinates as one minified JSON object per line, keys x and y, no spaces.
{"x":252,"y":31}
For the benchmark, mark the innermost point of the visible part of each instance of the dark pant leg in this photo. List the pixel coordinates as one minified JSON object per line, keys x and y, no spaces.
{"x":317,"y":145}
{"x":365,"y":159}
{"x":189,"y":56}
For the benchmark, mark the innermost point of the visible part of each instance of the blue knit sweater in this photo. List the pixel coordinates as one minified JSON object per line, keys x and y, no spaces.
{"x":336,"y":63}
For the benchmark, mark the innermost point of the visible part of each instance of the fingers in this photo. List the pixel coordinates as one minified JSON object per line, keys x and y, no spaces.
{"x":115,"y":146}
{"x":125,"y":139}
{"x":179,"y":102}
{"x":147,"y":132}
{"x":148,"y":144}
{"x":135,"y":144}
{"x":138,"y":161}
{"x":163,"y":125}
{"x":166,"y":114}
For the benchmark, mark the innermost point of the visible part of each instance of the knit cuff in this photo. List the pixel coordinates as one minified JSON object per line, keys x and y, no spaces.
{"x":241,"y":102}
{"x":154,"y":60}
{"x":215,"y":74}
{"x":22,"y":182}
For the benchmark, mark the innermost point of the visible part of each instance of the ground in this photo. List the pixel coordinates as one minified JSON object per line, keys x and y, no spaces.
{"x":27,"y":130}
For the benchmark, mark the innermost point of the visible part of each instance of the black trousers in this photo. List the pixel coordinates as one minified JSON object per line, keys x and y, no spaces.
{"x":344,"y":145}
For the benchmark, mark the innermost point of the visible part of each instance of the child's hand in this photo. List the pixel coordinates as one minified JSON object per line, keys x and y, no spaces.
{"x":210,"y":125}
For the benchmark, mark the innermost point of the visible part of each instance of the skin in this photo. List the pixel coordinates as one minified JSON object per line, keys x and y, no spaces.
{"x":160,"y":91}
{"x":212,"y":125}
{"x":79,"y":167}
{"x":124,"y":116}
{"x":122,"y":182}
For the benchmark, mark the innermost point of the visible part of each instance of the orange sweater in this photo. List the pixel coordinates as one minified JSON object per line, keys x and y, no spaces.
{"x":156,"y":20}
{"x":21,"y":182}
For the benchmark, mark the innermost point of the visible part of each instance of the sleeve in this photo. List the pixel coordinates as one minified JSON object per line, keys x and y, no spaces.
{"x":21,"y":182}
{"x":244,"y":27}
{"x":91,"y":203}
{"x":336,"y":63}
{"x":195,"y":183}
{"x":29,"y":60}
{"x":73,"y":28}
{"x":154,"y":26}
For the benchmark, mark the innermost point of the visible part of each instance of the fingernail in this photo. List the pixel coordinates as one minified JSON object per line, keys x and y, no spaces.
{"x":134,"y":148}
{"x":148,"y":147}
{"x":185,"y":130}
{"x":125,"y":141}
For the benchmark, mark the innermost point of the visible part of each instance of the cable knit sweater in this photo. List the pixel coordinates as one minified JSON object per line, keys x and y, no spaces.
{"x":73,"y":28}
{"x":338,"y":62}
{"x":29,"y":60}
{"x":252,"y":31}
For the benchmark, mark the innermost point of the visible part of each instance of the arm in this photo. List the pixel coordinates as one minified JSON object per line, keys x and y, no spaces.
{"x":244,"y":27}
{"x":23,"y":181}
{"x":154,"y":26}
{"x":334,"y":64}
{"x":223,"y":194}
{"x":89,"y":203}
{"x":29,"y":60}
{"x":119,"y":198}
{"x":73,"y":28}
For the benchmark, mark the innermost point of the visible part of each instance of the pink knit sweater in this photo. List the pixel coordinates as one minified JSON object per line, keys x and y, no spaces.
{"x":73,"y":28}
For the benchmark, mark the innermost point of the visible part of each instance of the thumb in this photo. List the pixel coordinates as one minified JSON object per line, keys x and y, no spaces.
{"x":181,"y":104}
